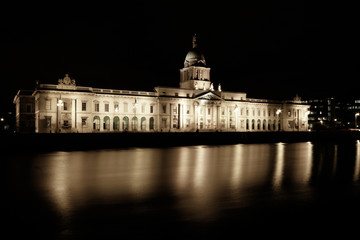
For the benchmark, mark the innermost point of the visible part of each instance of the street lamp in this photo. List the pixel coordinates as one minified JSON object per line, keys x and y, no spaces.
{"x":59,"y":104}
{"x":277,"y":115}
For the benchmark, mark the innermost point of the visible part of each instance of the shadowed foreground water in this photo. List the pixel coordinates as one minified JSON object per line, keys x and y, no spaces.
{"x":274,"y":190}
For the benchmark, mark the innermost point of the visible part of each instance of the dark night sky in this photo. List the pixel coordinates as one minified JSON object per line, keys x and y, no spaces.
{"x":269,"y":49}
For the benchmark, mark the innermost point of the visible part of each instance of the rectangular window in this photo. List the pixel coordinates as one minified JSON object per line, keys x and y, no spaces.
{"x":83,"y":106}
{"x":209,"y":111}
{"x":48,"y":121}
{"x":28,"y":108}
{"x":83,"y":122}
{"x":116,"y":107}
{"x":106,"y":107}
{"x":97,"y":107}
{"x":65,"y":106}
{"x":66,"y":123}
{"x":151,"y":109}
{"x":164,"y":108}
{"x":48,"y":104}
{"x":125,"y":107}
{"x":163,"y":123}
{"x":187,"y":109}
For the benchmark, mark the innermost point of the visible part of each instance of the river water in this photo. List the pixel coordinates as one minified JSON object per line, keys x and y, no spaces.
{"x":282,"y":190}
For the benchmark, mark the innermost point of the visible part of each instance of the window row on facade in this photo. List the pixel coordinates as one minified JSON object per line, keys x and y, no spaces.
{"x":126,"y":107}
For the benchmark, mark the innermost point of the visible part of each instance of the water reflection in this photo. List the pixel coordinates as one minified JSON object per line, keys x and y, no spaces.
{"x":279,"y":166}
{"x":202,"y":180}
{"x":357,"y":162}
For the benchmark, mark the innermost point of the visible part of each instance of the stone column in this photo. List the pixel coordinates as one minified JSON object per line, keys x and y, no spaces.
{"x":171,"y":115}
{"x":73,"y":115}
{"x":181,"y":115}
{"x":218,"y":117}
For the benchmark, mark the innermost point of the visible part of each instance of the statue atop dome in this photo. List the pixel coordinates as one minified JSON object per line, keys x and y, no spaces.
{"x":194,"y":43}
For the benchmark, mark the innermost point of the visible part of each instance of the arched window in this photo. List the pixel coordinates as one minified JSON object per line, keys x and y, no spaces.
{"x":264,"y":124}
{"x":125,"y":124}
{"x":151,"y":123}
{"x":274,"y":125}
{"x":106,"y":123}
{"x":96,"y":123}
{"x":269,"y":124}
{"x":143,"y":124}
{"x":116,"y":124}
{"x":247,"y":124}
{"x":134,"y":124}
{"x":258,"y":124}
{"x":253,"y":124}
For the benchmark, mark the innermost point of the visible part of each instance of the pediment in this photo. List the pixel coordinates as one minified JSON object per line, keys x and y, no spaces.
{"x":208,"y":96}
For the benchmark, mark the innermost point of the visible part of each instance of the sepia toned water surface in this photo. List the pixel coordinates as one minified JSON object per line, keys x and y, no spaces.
{"x":283,"y":189}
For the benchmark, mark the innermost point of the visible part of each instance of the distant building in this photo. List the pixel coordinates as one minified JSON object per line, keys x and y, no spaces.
{"x":337,"y":113}
{"x":25,"y":111}
{"x":195,"y":106}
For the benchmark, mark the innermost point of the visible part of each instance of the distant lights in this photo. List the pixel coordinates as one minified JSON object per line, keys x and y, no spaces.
{"x":278,"y":111}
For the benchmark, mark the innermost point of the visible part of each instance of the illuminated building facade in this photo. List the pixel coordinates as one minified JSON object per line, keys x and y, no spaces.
{"x":195,"y":106}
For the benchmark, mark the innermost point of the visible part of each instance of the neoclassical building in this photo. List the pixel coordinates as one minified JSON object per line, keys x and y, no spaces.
{"x":195,"y":106}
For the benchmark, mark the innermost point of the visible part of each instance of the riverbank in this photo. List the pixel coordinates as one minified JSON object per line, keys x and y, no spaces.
{"x":86,"y":141}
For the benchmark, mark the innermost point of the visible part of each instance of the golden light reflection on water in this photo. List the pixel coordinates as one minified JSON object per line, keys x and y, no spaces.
{"x":279,"y":166}
{"x":202,"y":179}
{"x":357,"y":162}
